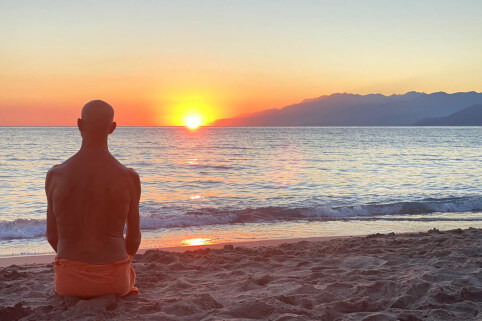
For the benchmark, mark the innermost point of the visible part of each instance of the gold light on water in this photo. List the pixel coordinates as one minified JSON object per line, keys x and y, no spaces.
{"x":192,"y":161}
{"x":198,"y":241}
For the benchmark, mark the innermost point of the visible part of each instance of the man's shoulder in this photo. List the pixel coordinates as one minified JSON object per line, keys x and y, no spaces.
{"x":132,"y":174}
{"x":132,"y":171}
{"x":53,"y":175}
{"x":59,"y":168}
{"x":133,"y":179}
{"x":54,"y":170}
{"x":129,"y":172}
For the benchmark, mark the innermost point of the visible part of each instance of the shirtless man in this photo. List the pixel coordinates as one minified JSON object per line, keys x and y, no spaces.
{"x":91,"y":197}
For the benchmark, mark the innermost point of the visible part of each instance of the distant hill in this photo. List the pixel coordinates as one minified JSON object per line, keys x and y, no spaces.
{"x":470,"y":116}
{"x":359,"y":110}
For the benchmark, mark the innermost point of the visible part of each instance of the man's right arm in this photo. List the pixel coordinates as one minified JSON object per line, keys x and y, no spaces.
{"x":133,"y":234}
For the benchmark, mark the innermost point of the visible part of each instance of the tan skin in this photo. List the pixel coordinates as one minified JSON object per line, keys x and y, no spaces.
{"x":91,"y":197}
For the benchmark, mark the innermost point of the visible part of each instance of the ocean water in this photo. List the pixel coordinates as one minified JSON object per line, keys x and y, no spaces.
{"x":216,"y":185}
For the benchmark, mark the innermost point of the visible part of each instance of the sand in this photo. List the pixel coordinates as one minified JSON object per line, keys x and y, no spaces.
{"x":419,"y":276}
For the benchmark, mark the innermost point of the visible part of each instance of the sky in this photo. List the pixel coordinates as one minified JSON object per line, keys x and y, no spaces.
{"x":159,"y":62}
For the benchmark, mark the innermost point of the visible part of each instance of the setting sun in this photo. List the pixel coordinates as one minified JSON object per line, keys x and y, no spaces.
{"x":193,"y":121}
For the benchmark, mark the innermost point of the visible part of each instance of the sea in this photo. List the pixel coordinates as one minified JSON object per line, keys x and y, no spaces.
{"x":232,"y":184}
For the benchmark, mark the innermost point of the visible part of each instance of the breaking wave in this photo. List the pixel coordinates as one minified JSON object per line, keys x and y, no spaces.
{"x":34,"y":228}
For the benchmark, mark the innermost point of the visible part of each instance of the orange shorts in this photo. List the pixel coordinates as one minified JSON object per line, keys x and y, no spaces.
{"x":90,"y":280}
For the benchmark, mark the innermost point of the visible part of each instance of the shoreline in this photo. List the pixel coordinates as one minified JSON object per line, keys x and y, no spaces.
{"x":172,"y":240}
{"x":47,"y":258}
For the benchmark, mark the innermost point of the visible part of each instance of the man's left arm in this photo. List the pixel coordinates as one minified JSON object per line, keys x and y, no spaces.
{"x":52,"y":233}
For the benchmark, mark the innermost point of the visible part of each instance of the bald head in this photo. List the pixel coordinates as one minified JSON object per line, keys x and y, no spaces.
{"x":97,"y":118}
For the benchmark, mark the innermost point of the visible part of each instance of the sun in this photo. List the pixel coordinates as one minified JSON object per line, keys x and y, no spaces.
{"x":193,"y":121}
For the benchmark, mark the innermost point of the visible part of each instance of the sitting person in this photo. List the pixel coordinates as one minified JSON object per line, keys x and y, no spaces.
{"x":91,"y":197}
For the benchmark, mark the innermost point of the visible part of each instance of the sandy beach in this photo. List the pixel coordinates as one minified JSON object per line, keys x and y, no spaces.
{"x":419,"y":276}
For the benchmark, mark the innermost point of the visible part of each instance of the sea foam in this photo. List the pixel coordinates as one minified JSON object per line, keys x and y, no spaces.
{"x":35,"y":228}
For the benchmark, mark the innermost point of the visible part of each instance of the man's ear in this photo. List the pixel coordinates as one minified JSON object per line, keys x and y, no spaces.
{"x":112,"y":127}
{"x":80,"y":125}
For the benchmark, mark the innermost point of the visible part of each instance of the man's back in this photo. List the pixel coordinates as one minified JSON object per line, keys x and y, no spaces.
{"x":91,"y":197}
{"x":91,"y":200}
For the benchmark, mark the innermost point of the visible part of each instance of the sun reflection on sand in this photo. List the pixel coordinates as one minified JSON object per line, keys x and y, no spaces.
{"x":198,"y":241}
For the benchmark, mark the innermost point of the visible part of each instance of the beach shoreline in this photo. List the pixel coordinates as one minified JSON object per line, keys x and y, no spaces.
{"x":180,"y":240}
{"x":47,"y":258}
{"x":434,"y":275}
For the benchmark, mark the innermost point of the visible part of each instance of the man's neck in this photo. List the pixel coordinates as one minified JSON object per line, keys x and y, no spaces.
{"x":96,"y":146}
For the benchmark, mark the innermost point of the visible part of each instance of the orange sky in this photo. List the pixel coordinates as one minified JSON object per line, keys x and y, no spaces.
{"x":158,"y":62}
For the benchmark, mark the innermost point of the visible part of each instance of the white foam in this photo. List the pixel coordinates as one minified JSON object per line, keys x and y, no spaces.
{"x":34,"y":228}
{"x":22,"y":229}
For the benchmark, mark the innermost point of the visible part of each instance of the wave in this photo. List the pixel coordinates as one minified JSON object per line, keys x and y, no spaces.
{"x":22,"y":229}
{"x":34,"y":228}
{"x":321,"y":213}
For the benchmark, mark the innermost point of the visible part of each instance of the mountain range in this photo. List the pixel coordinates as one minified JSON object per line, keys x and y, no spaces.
{"x":362,"y":110}
{"x":470,"y":116}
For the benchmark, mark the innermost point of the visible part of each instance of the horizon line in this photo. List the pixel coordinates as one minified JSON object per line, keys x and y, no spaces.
{"x":277,"y":126}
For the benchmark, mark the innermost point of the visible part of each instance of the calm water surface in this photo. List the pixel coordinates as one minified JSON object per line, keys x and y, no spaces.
{"x":228,"y":184}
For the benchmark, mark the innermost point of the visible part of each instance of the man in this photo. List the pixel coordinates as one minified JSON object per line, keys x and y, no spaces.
{"x":91,"y":197}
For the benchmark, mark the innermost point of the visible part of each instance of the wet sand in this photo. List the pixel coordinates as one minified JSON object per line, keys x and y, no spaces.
{"x":418,"y":276}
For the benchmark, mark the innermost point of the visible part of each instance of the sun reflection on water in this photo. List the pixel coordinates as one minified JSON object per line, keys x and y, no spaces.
{"x":192,"y":161}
